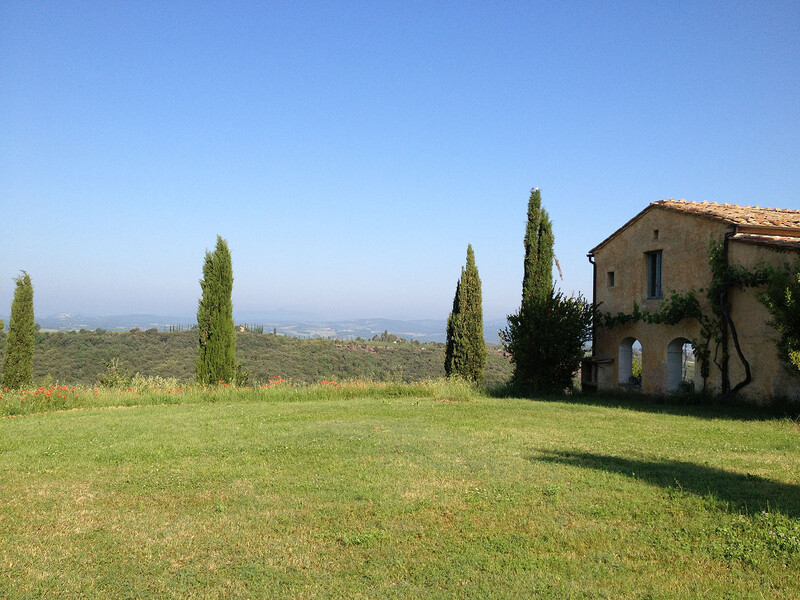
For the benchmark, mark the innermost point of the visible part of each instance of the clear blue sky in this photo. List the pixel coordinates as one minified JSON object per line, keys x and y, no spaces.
{"x":349,"y":152}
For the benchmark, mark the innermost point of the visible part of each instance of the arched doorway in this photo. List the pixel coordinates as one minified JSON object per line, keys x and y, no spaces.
{"x":680,"y":365}
{"x":629,"y":363}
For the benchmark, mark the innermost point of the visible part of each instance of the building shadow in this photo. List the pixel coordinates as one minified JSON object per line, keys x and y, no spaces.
{"x":742,"y":493}
{"x":689,"y":405}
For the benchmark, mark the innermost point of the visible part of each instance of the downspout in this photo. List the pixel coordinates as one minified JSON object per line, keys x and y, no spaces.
{"x":723,"y":307}
{"x":590,"y":256}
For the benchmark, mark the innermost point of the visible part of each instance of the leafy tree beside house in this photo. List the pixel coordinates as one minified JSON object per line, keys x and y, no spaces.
{"x":465,"y":351}
{"x":18,"y":359}
{"x":545,"y":337}
{"x":216,"y":360}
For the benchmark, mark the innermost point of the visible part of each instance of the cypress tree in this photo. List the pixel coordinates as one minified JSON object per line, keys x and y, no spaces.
{"x":453,"y":331}
{"x":545,"y":337}
{"x":18,"y":359}
{"x":216,"y":361}
{"x":465,"y":352}
{"x":537,"y":278}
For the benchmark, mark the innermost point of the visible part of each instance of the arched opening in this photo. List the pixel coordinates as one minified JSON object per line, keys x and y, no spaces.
{"x":629,"y":363}
{"x":680,"y":366}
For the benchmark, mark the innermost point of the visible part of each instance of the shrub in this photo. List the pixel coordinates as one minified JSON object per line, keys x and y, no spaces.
{"x":115,"y":376}
{"x":545,"y":339}
{"x":154,"y":383}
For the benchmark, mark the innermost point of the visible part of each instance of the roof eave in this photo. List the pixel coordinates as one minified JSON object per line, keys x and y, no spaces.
{"x":618,"y":231}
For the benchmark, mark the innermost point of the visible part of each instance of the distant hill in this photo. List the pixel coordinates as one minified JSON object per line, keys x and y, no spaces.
{"x":73,"y":322}
{"x":427,"y":330}
{"x":79,"y":357}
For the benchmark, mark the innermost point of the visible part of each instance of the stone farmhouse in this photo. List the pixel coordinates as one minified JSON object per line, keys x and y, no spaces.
{"x":664,"y":251}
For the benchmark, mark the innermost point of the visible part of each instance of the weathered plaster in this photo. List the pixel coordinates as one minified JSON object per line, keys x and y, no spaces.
{"x":684,"y":240}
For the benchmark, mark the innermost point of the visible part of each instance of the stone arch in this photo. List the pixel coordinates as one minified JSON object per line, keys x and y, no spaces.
{"x":680,"y":368}
{"x":629,"y":349}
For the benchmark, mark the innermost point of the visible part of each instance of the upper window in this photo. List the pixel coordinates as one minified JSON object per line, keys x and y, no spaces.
{"x":610,"y":278}
{"x":653,"y":274}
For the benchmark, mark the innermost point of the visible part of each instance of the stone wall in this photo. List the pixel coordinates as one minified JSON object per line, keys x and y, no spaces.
{"x":684,"y":241}
{"x":757,"y":337}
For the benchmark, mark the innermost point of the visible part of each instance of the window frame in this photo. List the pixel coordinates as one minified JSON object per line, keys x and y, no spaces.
{"x":654,"y":271}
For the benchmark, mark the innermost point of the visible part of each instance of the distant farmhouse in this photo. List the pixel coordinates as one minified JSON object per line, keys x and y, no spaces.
{"x":660,"y":332}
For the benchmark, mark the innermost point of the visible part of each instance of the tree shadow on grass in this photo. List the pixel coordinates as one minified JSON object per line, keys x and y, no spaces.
{"x":744,"y":493}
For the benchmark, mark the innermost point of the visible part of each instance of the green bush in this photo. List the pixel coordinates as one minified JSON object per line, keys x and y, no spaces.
{"x":545,"y":340}
{"x":115,"y":376}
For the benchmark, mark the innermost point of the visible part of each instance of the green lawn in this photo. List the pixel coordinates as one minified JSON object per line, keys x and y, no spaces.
{"x":397,"y":492}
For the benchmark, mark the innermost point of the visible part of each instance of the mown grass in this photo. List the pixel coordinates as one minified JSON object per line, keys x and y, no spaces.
{"x":427,"y":491}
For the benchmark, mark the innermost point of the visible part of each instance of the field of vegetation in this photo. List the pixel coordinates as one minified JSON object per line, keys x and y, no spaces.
{"x":81,"y":356}
{"x":430,"y":490}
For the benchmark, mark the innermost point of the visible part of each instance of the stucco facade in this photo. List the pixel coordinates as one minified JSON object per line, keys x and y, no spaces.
{"x":665,"y":248}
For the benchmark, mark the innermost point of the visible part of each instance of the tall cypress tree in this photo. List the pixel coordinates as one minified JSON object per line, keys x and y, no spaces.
{"x":18,"y":359}
{"x":465,"y":352}
{"x":537,"y":278}
{"x":453,"y":330}
{"x":216,"y":359}
{"x":545,"y":336}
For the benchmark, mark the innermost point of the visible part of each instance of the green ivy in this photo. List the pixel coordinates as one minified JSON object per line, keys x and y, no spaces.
{"x":782,"y":299}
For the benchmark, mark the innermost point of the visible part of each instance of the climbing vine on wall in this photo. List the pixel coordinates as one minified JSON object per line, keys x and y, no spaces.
{"x":674,"y":309}
{"x":782,"y":300}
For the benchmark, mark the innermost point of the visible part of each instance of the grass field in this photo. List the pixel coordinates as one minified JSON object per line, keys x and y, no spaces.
{"x":428,"y":491}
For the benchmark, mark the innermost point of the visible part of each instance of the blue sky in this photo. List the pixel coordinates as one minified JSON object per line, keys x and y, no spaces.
{"x":349,"y":152}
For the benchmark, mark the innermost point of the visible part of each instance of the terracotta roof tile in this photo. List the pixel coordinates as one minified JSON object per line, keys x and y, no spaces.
{"x":763,"y":225}
{"x":735,"y":214}
{"x":781,"y":241}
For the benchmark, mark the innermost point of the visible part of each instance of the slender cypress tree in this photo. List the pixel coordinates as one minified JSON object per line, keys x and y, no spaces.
{"x":545,"y":336}
{"x":18,"y":359}
{"x":465,"y":352}
{"x":537,"y":278}
{"x":216,"y":361}
{"x":453,"y":332}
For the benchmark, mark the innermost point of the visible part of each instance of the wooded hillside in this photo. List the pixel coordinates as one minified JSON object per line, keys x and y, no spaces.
{"x":80,"y":356}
